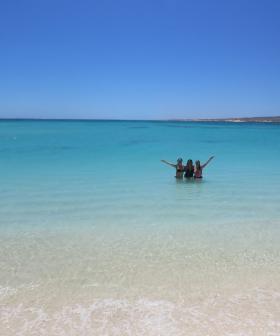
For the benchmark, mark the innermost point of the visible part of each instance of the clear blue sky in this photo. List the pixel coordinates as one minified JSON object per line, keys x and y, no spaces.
{"x":141,"y":59}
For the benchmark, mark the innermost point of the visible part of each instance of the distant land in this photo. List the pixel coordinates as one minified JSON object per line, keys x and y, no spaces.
{"x":237,"y":120}
{"x":275,"y":119}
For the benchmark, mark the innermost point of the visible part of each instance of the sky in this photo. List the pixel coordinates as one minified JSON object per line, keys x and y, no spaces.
{"x":146,"y":59}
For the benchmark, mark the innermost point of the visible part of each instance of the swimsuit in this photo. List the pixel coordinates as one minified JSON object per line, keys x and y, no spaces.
{"x":180,"y":169}
{"x":198,"y":173}
{"x":189,"y":173}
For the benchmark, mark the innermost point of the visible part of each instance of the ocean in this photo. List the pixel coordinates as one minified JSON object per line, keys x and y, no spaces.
{"x":97,"y":237}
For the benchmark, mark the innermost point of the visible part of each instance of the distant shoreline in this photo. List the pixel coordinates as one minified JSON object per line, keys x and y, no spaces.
{"x":275,"y":119}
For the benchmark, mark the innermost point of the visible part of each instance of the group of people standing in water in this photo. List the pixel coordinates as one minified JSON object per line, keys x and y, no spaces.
{"x":188,"y":171}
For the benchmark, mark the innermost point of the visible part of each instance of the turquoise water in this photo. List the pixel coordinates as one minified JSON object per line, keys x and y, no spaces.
{"x":87,"y":208}
{"x":97,"y":169}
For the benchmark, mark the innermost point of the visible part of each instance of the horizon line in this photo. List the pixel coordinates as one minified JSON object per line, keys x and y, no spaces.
{"x":116,"y":119}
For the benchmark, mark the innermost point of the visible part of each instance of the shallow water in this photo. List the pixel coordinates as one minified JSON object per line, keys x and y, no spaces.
{"x":98,"y":237}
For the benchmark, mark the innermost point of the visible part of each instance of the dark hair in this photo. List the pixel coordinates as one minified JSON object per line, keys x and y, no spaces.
{"x":189,"y":163}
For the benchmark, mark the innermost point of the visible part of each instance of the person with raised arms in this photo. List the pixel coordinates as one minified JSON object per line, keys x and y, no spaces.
{"x":178,"y":166}
{"x":199,"y":167}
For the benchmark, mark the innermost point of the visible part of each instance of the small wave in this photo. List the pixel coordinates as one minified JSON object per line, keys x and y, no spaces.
{"x":253,"y":313}
{"x":9,"y":291}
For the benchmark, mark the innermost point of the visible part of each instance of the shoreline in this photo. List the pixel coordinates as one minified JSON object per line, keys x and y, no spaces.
{"x":275,"y":119}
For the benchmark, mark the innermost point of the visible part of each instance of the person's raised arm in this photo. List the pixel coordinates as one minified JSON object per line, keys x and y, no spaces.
{"x":206,"y":163}
{"x":168,"y":163}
